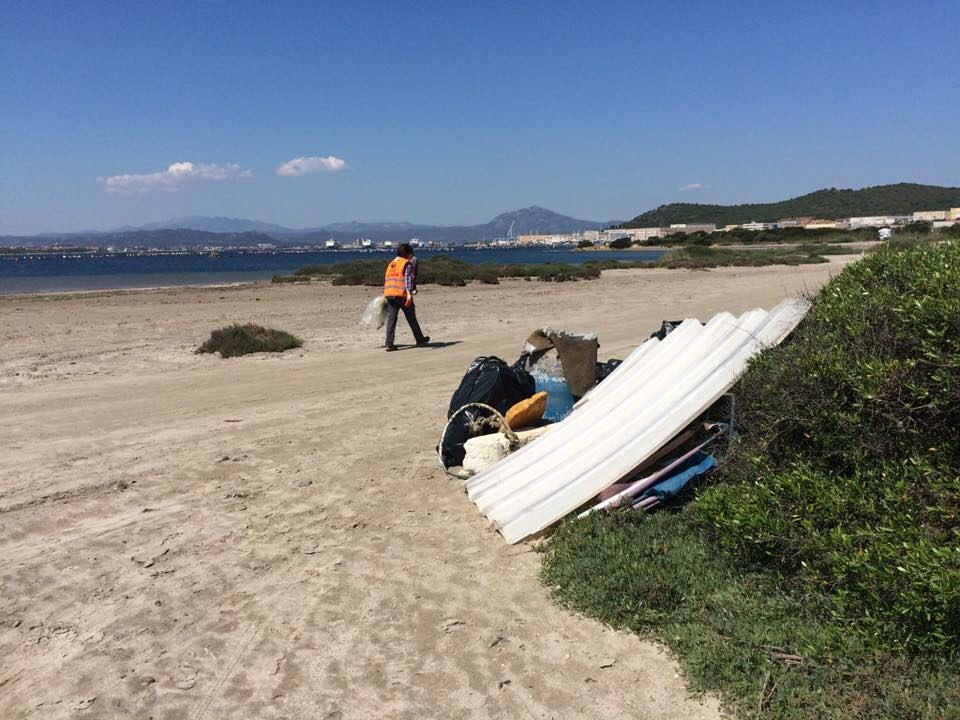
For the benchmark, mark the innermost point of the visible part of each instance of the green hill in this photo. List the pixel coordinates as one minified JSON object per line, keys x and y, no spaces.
{"x":899,"y":199}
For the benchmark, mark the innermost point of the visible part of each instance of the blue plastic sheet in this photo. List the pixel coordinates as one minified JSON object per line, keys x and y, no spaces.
{"x":674,"y":484}
{"x":559,"y":399}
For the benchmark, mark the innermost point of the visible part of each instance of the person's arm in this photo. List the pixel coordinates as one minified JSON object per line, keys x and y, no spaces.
{"x":408,"y":286}
{"x":409,"y":279}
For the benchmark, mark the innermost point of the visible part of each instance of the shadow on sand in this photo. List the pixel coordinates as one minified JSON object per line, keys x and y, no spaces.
{"x":430,"y":346}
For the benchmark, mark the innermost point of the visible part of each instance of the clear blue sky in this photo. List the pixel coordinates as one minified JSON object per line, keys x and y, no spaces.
{"x":451,"y":112}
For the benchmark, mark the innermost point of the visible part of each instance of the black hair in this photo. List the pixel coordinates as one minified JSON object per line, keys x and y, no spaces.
{"x":404,"y":250}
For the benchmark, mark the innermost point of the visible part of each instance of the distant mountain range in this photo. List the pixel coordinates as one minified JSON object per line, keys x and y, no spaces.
{"x":200,"y":230}
{"x":532,"y":219}
{"x":899,"y":199}
{"x":207,"y":223}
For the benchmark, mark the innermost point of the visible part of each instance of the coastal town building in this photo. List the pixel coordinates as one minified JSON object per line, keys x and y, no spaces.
{"x":608,"y":236}
{"x":929,"y":215}
{"x":758,"y":226}
{"x":689,"y":228}
{"x":795,"y":222}
{"x":637,"y":235}
{"x":939,"y":218}
{"x":551,"y":239}
{"x":873,"y":221}
{"x":827,"y":225}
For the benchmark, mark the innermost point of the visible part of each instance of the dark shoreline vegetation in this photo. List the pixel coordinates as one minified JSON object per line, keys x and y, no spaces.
{"x":737,"y":248}
{"x":236,"y":340}
{"x":898,"y":199}
{"x":795,"y":235}
{"x":817,"y":573}
{"x":444,"y":270}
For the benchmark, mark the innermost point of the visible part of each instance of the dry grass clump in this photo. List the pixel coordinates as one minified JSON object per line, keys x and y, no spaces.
{"x":236,"y":340}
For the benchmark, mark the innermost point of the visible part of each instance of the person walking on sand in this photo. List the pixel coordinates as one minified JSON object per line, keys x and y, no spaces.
{"x":399,"y":287}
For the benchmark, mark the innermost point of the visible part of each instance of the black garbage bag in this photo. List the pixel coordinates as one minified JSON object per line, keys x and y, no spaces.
{"x":492,"y":382}
{"x":605,"y":368}
{"x":666,"y":327}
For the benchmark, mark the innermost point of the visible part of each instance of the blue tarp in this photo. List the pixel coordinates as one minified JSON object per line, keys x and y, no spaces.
{"x":674,"y":485}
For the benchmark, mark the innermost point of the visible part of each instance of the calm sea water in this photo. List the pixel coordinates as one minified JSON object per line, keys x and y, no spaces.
{"x":56,"y":273}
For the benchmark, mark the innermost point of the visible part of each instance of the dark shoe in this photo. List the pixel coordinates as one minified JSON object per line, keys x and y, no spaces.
{"x":424,"y":342}
{"x":391,"y":348}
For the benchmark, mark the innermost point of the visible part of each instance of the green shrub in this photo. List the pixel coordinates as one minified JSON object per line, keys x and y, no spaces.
{"x":488,"y":277}
{"x":699,"y":256}
{"x":444,"y":270}
{"x":620,"y":243}
{"x":822,"y":248}
{"x":902,"y":242}
{"x":244,"y":339}
{"x":772,"y":653}
{"x":818,"y":572}
{"x":920,"y":227}
{"x":847,"y":476}
{"x":290,"y":278}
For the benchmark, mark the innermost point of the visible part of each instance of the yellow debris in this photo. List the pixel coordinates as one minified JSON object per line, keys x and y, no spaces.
{"x":527,"y":412}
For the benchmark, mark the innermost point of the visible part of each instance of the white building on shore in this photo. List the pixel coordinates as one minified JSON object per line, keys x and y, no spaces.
{"x":636,"y":235}
{"x":754,"y":225}
{"x":929,"y":215}
{"x":540,"y":239}
{"x":827,"y":225}
{"x":689,"y":228}
{"x":872,"y":221}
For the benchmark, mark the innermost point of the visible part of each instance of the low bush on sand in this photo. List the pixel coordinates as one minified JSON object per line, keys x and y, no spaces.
{"x":245,"y":339}
{"x":818,"y":573}
{"x":698,"y":256}
{"x":444,"y":270}
{"x":822,"y":248}
{"x":787,"y":235}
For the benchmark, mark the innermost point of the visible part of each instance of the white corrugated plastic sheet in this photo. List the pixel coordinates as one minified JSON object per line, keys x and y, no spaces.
{"x":660,"y":388}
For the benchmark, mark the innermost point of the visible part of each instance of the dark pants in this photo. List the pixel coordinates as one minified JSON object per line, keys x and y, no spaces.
{"x":410,"y":313}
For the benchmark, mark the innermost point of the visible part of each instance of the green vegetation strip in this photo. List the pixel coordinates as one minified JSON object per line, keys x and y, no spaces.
{"x":444,"y":270}
{"x":818,"y":573}
{"x":822,"y":237}
{"x":236,"y":340}
{"x":900,"y":199}
{"x":770,"y":652}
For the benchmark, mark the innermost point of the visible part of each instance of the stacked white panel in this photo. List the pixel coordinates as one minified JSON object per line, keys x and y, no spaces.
{"x":660,"y":388}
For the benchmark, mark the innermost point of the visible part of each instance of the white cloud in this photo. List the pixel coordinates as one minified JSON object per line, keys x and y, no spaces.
{"x":693,"y":186}
{"x":176,"y":176}
{"x":309,"y":165}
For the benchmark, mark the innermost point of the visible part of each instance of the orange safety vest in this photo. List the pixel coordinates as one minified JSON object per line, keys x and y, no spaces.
{"x":393,"y":280}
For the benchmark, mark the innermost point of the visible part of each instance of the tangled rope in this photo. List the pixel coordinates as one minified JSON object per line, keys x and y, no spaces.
{"x":477,"y":425}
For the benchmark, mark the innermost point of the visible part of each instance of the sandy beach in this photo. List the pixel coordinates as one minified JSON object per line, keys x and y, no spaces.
{"x":271,"y":536}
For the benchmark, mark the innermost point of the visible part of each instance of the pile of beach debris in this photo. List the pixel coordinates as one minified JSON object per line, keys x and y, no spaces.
{"x":559,"y":432}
